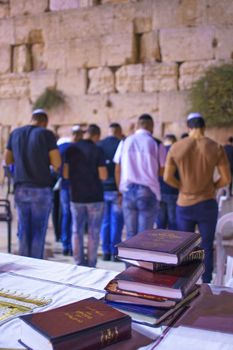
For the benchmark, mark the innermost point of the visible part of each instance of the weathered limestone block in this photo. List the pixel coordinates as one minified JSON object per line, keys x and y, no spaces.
{"x":219,"y":12}
{"x":142,"y":25}
{"x":72,"y":82}
{"x":59,"y":5}
{"x":160,"y":77}
{"x":39,"y":81}
{"x":149,"y":47}
{"x":25,"y":7}
{"x":4,"y":9}
{"x":5,"y":59}
{"x":224,"y":41}
{"x":21,"y":59}
{"x":84,"y":53}
{"x":6,"y":31}
{"x":115,"y":1}
{"x":176,"y":13}
{"x":173,"y":105}
{"x":186,"y":44}
{"x":129,"y":78}
{"x":14,"y":85}
{"x":9,"y":108}
{"x":37,"y":54}
{"x":128,"y":107}
{"x":118,"y":49}
{"x":56,"y":56}
{"x":101,"y":81}
{"x":23,"y":26}
{"x":51,"y":26}
{"x":192,"y":71}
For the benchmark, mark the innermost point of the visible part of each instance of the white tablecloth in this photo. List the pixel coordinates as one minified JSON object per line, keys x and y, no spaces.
{"x":66,"y":283}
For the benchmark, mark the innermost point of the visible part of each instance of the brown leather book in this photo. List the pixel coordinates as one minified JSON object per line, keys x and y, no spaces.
{"x":197,"y":254}
{"x":161,"y":246}
{"x":84,"y":325}
{"x":211,"y":310}
{"x":174,"y":283}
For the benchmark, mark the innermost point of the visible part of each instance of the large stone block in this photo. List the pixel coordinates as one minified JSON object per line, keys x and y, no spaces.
{"x":160,"y":77}
{"x":176,"y":13}
{"x":192,"y":71}
{"x":37,"y":55}
{"x":128,"y":107}
{"x":9,"y":109}
{"x":118,"y":49}
{"x":4,"y":9}
{"x":25,"y":7}
{"x":83,"y":53}
{"x":39,"y":81}
{"x":59,"y":5}
{"x":56,"y":56}
{"x":187,"y":44}
{"x":149,"y":47}
{"x":7,"y":31}
{"x":142,"y":25}
{"x":101,"y":81}
{"x":224,"y":42}
{"x":72,"y":82}
{"x":173,"y":106}
{"x":21,"y":59}
{"x":14,"y":86}
{"x":219,"y":12}
{"x":129,"y":78}
{"x":5,"y":59}
{"x":24,"y":26}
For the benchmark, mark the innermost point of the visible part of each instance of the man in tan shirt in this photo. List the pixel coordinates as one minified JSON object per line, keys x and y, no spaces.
{"x":196,"y":157}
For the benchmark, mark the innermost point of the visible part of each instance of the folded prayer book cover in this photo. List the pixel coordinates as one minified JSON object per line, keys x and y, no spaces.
{"x":84,"y":325}
{"x":161,"y":246}
{"x":174,"y":283}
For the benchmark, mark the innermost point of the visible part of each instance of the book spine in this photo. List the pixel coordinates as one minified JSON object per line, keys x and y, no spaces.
{"x":197,"y":255}
{"x":97,"y":339}
{"x":183,"y":254}
{"x":193,"y":280}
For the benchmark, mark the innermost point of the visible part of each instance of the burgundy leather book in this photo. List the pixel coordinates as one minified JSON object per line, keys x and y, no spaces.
{"x":197,"y":254}
{"x":212,"y":310}
{"x":174,"y":283}
{"x":84,"y":325}
{"x":162,"y":246}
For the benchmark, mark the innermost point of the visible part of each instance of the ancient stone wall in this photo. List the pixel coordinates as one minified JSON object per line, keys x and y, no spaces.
{"x":113,"y":59}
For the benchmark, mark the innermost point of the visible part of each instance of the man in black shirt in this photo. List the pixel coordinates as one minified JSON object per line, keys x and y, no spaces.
{"x":112,"y":225}
{"x":85,"y":168}
{"x":32,"y":149}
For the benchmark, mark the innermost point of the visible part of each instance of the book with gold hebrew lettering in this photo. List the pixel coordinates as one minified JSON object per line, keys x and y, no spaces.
{"x":84,"y":325}
{"x":160,"y":246}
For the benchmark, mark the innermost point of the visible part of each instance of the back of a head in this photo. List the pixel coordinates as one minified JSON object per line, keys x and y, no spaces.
{"x":230,"y":140}
{"x":115,"y":130}
{"x":93,"y":130}
{"x":77,"y":133}
{"x":195,"y":121}
{"x":39,"y":117}
{"x":169,"y":139}
{"x":145,"y":121}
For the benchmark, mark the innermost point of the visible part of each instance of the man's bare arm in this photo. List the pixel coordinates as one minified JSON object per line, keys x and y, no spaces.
{"x":225,"y":176}
{"x":117,"y":174}
{"x":65,"y":172}
{"x":169,"y":176}
{"x":8,"y":157}
{"x":55,"y":159}
{"x":103,"y":173}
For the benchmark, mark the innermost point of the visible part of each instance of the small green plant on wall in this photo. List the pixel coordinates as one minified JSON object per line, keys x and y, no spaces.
{"x":212,"y":96}
{"x":50,"y":98}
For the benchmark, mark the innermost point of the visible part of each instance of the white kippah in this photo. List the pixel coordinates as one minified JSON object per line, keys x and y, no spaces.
{"x":194,"y":115}
{"x":76,"y":128}
{"x":39,"y":111}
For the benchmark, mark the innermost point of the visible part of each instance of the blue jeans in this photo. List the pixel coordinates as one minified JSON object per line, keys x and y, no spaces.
{"x":92,"y":215}
{"x":204,"y":215}
{"x":65,"y":218}
{"x":33,"y":206}
{"x":112,"y":225}
{"x":167,"y":212}
{"x":139,"y":209}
